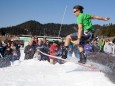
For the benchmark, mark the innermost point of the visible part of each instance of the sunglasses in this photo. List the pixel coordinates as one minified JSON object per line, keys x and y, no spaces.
{"x":75,"y":11}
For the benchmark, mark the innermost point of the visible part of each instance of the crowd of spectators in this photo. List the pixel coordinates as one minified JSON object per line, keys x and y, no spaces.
{"x":48,"y":49}
{"x":55,"y":49}
{"x":107,"y":46}
{"x":11,"y":49}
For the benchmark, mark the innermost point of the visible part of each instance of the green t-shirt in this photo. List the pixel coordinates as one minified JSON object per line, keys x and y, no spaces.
{"x":85,"y":20}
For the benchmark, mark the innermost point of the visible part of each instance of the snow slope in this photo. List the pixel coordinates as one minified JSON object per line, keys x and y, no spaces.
{"x":41,"y":73}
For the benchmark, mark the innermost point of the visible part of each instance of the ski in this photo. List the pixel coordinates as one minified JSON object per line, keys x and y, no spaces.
{"x":90,"y":66}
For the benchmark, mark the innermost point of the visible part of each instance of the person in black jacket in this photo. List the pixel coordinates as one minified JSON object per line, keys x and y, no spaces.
{"x":29,"y":50}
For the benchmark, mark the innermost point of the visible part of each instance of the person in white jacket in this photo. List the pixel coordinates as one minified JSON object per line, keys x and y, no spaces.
{"x":108,"y":47}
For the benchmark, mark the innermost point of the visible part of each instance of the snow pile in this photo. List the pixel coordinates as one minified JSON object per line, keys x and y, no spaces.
{"x":41,"y":73}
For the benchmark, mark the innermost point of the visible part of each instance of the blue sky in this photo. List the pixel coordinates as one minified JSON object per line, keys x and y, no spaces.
{"x":14,"y":12}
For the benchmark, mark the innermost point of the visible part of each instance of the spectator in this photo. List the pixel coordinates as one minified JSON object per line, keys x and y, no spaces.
{"x":1,"y":49}
{"x":8,"y":50}
{"x":15,"y":51}
{"x":29,"y":50}
{"x":36,"y":40}
{"x":46,"y":48}
{"x":101,"y":44}
{"x":43,"y":49}
{"x":33,"y":41}
{"x":13,"y":45}
{"x":108,"y":47}
{"x":53,"y":52}
{"x":95,"y":46}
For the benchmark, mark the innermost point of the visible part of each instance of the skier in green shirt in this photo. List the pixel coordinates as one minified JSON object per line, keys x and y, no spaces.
{"x":85,"y":32}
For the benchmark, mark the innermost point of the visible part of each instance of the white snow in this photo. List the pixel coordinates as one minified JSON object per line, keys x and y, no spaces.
{"x":41,"y":73}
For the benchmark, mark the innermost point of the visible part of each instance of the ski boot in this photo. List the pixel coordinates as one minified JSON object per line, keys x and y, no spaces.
{"x":82,"y":58}
{"x":64,"y":52}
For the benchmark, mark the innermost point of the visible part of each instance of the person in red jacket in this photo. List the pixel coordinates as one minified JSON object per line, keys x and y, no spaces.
{"x":53,"y":52}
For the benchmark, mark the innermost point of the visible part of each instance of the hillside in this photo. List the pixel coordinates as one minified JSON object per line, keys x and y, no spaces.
{"x":35,"y":28}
